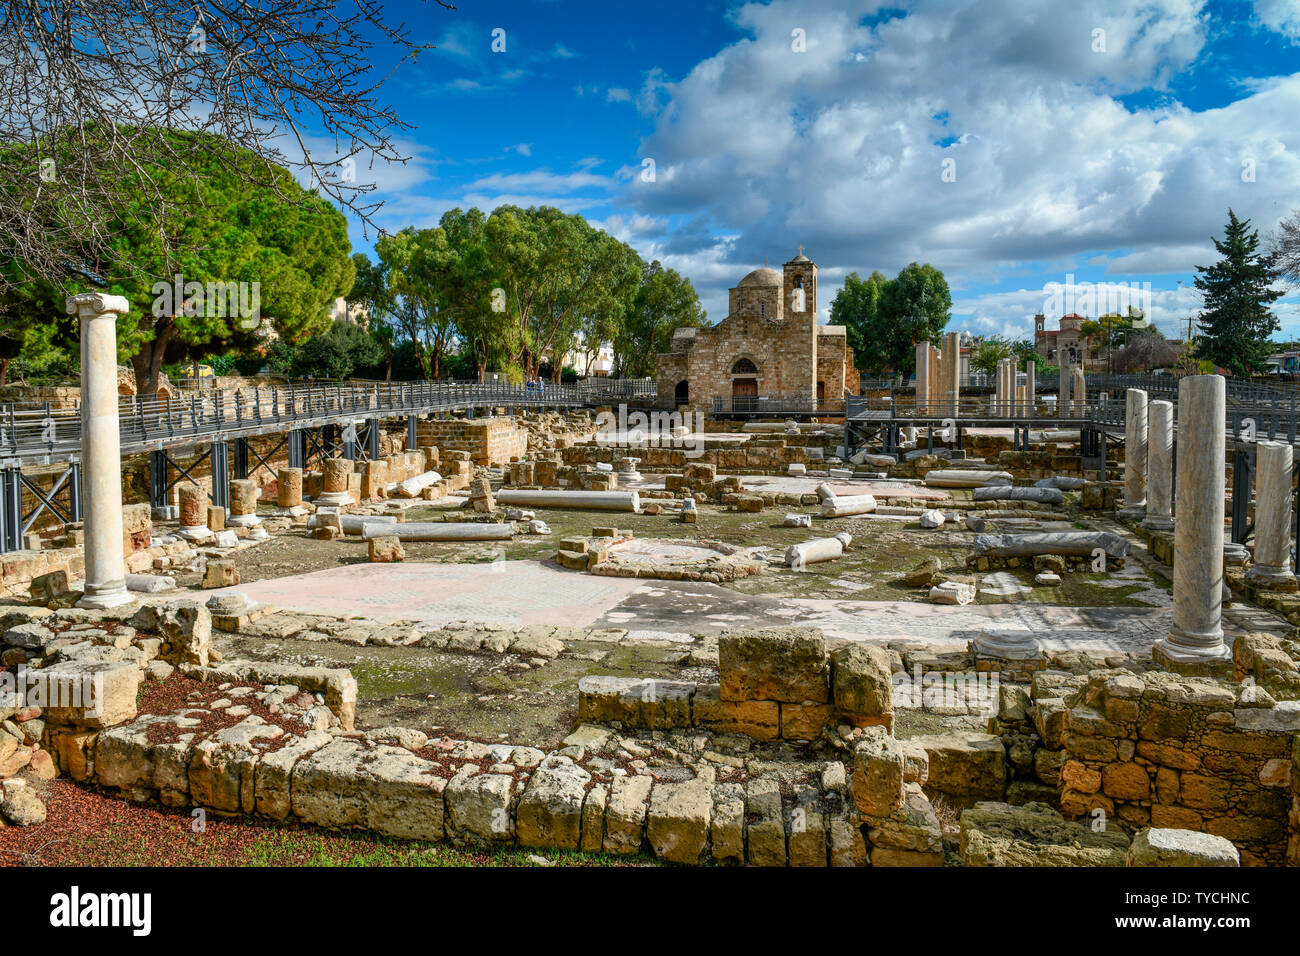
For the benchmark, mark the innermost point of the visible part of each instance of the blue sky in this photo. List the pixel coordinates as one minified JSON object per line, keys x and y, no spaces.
{"x":1013,"y":144}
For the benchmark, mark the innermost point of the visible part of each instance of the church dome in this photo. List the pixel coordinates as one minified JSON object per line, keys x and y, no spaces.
{"x":761,"y":278}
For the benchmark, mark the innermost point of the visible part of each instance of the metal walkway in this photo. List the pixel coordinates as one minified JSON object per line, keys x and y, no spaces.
{"x":316,"y":422}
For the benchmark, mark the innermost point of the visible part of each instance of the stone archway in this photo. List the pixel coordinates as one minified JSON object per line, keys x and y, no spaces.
{"x":682,"y":393}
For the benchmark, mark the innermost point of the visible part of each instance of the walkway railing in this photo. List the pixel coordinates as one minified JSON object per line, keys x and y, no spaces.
{"x":38,"y":432}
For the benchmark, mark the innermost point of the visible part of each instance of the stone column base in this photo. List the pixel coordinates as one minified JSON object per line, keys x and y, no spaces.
{"x":1158,"y":523}
{"x":1193,"y":661}
{"x":1138,"y":510}
{"x":244,"y":521}
{"x":113,"y":596}
{"x":333,"y":499}
{"x":1271,"y":578}
{"x":198,"y":532}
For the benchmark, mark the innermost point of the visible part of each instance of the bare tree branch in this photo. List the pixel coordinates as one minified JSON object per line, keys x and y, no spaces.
{"x":90,"y":90}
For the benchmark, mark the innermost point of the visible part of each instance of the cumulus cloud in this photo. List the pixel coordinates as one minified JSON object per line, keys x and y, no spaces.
{"x":979,"y":136}
{"x":1280,"y":16}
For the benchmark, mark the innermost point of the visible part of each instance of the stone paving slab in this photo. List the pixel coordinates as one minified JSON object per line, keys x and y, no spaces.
{"x":501,"y":593}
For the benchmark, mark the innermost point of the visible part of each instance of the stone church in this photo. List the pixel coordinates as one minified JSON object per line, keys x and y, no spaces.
{"x":769,"y":348}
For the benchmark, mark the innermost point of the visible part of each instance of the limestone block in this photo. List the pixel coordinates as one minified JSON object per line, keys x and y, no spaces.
{"x":678,"y":822}
{"x":861,"y":681}
{"x":997,"y":834}
{"x":478,"y":807}
{"x":551,"y":807}
{"x":877,"y":773}
{"x":625,"y":814}
{"x":220,"y":573}
{"x":965,"y":764}
{"x":765,"y":829}
{"x":386,"y":549}
{"x":782,"y":664}
{"x":1155,"y":846}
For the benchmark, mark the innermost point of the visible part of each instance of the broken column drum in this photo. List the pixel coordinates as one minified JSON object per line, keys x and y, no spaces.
{"x":243,"y":503}
{"x":334,"y":482}
{"x":288,"y":487}
{"x":193,"y":501}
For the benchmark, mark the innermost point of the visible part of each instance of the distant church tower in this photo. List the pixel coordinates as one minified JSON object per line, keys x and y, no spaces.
{"x":799,"y":291}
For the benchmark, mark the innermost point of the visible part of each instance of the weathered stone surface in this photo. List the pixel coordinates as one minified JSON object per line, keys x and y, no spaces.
{"x":765,"y":831}
{"x":952,"y":592}
{"x":550,"y":808}
{"x":965,"y":764}
{"x":877,"y":773}
{"x":90,"y":693}
{"x":727,"y":826}
{"x":625,"y":814}
{"x":784,"y":664}
{"x":186,"y":626}
{"x":861,"y":681}
{"x":385,"y":789}
{"x":997,"y":834}
{"x":126,"y":759}
{"x":478,"y":807}
{"x":386,"y":550}
{"x":272,"y":780}
{"x":760,"y":719}
{"x":222,"y":766}
{"x":593,"y":818}
{"x":21,"y":806}
{"x":678,"y":823}
{"x":1169,"y":847}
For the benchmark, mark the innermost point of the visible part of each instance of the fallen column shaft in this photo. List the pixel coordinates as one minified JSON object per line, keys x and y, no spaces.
{"x":438,"y":531}
{"x":1062,"y":542}
{"x":593,"y":500}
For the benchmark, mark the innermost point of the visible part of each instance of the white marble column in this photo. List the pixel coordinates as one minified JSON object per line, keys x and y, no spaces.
{"x":1274,"y":464}
{"x":1063,"y":405}
{"x":1135,"y":455}
{"x":952,"y":371}
{"x":1160,"y":467}
{"x":101,"y":449}
{"x":1079,"y":391}
{"x":923,"y":381}
{"x":1031,"y":395}
{"x":1196,"y":632}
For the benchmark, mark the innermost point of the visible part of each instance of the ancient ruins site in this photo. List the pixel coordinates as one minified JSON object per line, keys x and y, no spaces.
{"x":944,"y":628}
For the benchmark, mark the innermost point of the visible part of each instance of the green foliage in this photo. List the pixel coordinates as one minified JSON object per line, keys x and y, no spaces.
{"x":344,"y":350}
{"x":563,"y":284}
{"x":664,"y":302}
{"x":1024,"y":352}
{"x":886,"y":318}
{"x":286,"y":243}
{"x":987,"y":353}
{"x":1236,"y":323}
{"x":35,"y":331}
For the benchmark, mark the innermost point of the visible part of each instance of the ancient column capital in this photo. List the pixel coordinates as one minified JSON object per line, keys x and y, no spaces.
{"x":89,"y":305}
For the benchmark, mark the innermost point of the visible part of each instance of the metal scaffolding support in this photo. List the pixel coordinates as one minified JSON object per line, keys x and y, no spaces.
{"x":1243,"y":473}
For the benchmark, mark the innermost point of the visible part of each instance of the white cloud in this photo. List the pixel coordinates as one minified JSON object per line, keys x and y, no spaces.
{"x":616,"y":94}
{"x":1280,"y":16}
{"x":841,"y":148}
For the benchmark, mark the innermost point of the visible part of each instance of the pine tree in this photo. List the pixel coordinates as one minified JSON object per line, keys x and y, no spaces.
{"x":1236,"y":322}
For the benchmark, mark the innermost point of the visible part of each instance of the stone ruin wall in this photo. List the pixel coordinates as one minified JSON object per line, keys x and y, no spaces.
{"x":489,"y":441}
